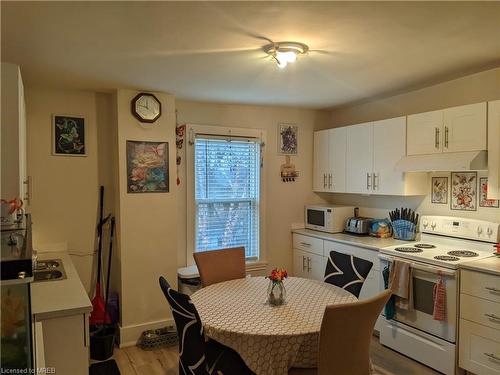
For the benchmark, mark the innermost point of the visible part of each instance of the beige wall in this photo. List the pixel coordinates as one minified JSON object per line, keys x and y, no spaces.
{"x":147,"y":225}
{"x":284,"y":202}
{"x":474,"y":88}
{"x":65,"y":189}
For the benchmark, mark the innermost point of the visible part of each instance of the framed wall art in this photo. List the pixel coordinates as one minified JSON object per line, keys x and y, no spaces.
{"x":288,"y":139}
{"x":483,"y":195}
{"x":439,"y":190}
{"x":68,"y":135}
{"x":147,"y":167}
{"x":464,"y":191}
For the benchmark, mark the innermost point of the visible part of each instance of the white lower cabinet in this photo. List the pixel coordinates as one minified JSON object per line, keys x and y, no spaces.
{"x":66,"y":344}
{"x":308,"y":265}
{"x":479,"y":334}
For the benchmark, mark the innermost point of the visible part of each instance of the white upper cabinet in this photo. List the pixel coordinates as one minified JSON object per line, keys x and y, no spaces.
{"x":465,"y":128}
{"x":337,"y":155}
{"x":359,"y":162}
{"x":454,"y":129}
{"x":389,"y":146}
{"x":424,"y":133}
{"x":329,"y":160}
{"x":494,"y":149}
{"x":13,"y":129}
{"x":321,"y":160}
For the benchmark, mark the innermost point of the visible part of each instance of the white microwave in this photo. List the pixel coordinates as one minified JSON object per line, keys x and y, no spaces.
{"x":325,"y":218}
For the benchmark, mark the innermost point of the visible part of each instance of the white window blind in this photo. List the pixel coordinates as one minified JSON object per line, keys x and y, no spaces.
{"x":227,"y":192}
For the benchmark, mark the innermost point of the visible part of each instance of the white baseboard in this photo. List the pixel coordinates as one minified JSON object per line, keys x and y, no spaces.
{"x":129,"y":335}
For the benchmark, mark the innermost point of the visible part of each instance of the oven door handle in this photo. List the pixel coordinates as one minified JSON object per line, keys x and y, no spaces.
{"x":421,"y":267}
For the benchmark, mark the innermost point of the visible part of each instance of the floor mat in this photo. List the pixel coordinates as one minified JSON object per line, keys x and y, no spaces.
{"x":104,"y":368}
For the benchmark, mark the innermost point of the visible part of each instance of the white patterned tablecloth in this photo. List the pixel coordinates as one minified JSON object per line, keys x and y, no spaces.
{"x":270,"y":339}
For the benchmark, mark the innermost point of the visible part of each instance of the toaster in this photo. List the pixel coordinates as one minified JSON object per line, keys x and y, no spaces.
{"x":358,"y":225}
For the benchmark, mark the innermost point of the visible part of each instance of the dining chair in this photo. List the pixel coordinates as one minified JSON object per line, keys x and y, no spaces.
{"x":197,"y":356}
{"x":345,"y":337}
{"x":347,"y":271}
{"x":216,"y":266}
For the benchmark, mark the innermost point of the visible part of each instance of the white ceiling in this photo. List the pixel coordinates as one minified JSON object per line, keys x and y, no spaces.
{"x":211,"y":51}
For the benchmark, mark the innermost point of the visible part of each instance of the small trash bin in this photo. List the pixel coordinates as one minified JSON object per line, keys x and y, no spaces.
{"x":188,"y":279}
{"x":102,"y":341}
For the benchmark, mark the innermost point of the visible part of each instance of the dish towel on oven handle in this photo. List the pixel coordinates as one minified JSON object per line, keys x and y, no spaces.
{"x":439,"y":295}
{"x":401,"y":284}
{"x":390,"y":306}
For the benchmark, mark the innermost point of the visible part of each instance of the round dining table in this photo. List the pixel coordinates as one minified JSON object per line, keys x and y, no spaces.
{"x":270,"y":339}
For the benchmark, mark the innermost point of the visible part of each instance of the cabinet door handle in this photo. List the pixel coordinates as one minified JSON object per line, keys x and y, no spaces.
{"x":368,"y":181}
{"x":446,"y":132}
{"x":305,"y":244}
{"x":324,"y":180}
{"x":492,"y":356}
{"x":303,"y":263}
{"x":492,"y":289}
{"x":375,"y":181}
{"x":436,"y":137}
{"x":308,"y":264}
{"x":329,"y":180}
{"x":493,"y":317}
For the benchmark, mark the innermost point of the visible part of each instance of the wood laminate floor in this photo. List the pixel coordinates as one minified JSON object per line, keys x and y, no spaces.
{"x":135,"y":361}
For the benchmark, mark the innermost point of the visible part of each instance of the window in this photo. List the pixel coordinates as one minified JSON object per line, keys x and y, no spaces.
{"x":227,"y":192}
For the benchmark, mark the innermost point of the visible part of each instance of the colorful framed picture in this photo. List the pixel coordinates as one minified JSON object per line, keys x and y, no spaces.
{"x":483,"y":195}
{"x":464,"y":191}
{"x":288,"y":139}
{"x":68,"y":135}
{"x":147,"y":167}
{"x":439,"y":190}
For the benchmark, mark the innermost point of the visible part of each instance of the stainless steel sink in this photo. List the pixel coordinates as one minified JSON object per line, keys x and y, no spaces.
{"x":49,"y":270}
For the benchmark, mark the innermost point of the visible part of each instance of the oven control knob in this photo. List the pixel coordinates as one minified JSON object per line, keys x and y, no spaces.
{"x":425,"y":223}
{"x":433,"y":225}
{"x":479,"y":230}
{"x":489,"y":231}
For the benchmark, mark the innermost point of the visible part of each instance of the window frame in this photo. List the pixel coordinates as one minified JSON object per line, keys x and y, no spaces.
{"x":221,"y":131}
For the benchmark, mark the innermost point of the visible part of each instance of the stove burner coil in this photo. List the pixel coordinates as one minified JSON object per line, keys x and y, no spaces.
{"x":447,"y":258}
{"x":408,"y":250}
{"x":424,"y":246}
{"x":463,"y":253}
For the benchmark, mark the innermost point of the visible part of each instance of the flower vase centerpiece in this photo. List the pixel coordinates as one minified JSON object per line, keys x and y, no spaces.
{"x":276,"y":292}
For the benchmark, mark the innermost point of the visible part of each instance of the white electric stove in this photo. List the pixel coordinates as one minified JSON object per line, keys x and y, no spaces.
{"x":445,"y":242}
{"x":448,"y":241}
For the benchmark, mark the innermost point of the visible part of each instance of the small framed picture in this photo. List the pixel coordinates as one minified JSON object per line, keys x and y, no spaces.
{"x":439,"y":190}
{"x":147,"y":167}
{"x":464,"y":191}
{"x":68,"y":135}
{"x":288,"y":139}
{"x":483,"y":195}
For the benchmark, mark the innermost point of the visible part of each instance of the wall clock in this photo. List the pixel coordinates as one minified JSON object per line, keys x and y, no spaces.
{"x":146,"y":107}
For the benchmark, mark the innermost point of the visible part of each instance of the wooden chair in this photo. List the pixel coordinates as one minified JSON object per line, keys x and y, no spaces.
{"x":216,"y":266}
{"x":345,"y":336}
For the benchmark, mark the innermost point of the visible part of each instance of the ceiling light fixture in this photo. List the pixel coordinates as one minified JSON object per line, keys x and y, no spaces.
{"x":285,"y":52}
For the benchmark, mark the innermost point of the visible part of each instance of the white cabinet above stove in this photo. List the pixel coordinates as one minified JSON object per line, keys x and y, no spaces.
{"x":456,"y":129}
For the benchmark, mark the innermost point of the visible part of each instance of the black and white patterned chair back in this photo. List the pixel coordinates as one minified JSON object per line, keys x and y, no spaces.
{"x":347,"y":271}
{"x":189,"y":329}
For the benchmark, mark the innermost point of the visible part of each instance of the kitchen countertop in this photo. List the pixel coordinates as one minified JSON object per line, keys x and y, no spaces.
{"x":50,"y":299}
{"x":368,"y":242}
{"x":487,"y":265}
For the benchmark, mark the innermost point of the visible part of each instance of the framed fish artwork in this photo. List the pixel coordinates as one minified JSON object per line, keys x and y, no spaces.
{"x":68,"y":135}
{"x":464,"y":191}
{"x":147,"y":167}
